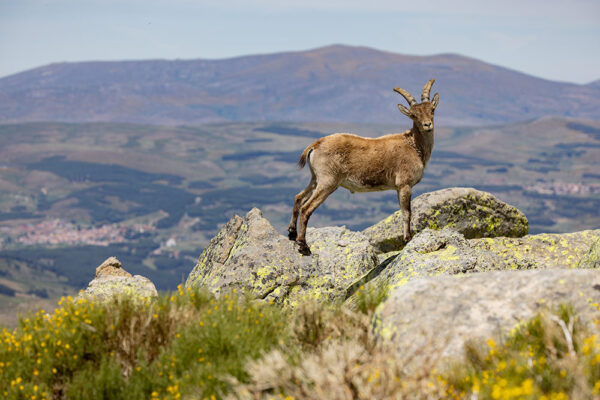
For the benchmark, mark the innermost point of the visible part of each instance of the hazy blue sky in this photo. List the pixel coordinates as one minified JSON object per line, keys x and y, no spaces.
{"x":553,"y":39}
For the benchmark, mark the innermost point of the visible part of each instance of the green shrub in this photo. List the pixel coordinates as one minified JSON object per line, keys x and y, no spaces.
{"x":367,"y":298}
{"x":187,"y":343}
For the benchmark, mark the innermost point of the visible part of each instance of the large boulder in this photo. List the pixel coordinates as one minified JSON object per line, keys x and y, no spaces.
{"x":446,"y":252}
{"x":437,"y":315}
{"x":249,"y":254}
{"x":111,"y":280}
{"x":473,"y":213}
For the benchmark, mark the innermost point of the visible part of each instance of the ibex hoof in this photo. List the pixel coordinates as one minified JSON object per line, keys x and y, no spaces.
{"x":303,"y":249}
{"x":407,"y":238}
{"x":292,"y":234}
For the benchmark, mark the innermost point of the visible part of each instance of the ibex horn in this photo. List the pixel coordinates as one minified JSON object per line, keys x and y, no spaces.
{"x":411,"y":100}
{"x":426,"y":89}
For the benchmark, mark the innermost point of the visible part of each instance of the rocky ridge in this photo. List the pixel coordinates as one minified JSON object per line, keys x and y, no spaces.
{"x":471,"y":270}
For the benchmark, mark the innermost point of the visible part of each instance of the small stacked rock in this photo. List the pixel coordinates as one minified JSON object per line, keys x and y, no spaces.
{"x":112,"y":280}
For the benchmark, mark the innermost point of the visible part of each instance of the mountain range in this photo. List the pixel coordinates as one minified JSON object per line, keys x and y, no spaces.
{"x":330,"y":84}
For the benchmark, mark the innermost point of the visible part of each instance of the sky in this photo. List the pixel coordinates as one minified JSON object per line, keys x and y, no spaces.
{"x":552,"y":39}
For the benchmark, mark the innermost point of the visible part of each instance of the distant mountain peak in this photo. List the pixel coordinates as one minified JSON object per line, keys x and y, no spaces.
{"x":595,"y":83}
{"x":336,"y":83}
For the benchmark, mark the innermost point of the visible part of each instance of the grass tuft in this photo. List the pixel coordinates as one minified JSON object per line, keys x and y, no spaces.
{"x":367,"y":298}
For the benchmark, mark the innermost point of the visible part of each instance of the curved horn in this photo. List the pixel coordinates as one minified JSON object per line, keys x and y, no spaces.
{"x":426,"y":89}
{"x":411,"y":100}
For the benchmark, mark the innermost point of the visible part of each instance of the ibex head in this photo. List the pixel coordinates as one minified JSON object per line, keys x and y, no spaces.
{"x":421,"y":114}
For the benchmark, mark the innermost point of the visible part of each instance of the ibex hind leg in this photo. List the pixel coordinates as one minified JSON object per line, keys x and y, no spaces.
{"x":317,"y":198}
{"x":299,"y":200}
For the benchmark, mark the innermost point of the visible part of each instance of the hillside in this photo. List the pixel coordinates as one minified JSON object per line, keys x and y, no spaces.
{"x":335,"y":83}
{"x":74,"y":194}
{"x":473,"y":308}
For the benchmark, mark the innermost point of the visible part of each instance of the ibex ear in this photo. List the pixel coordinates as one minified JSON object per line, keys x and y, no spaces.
{"x":436,"y":99}
{"x":404,"y":110}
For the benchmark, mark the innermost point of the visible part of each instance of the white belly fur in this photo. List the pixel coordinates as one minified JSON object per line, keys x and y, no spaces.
{"x":354,"y":186}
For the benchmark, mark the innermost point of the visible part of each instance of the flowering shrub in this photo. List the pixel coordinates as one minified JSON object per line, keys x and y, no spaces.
{"x":192,"y":345}
{"x":551,"y":357}
{"x":188,"y":342}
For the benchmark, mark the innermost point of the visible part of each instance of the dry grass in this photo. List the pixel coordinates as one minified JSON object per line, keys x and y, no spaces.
{"x":339,"y":359}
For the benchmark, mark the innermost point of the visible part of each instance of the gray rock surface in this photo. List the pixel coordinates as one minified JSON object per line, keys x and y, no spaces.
{"x":440,"y":314}
{"x":112,"y":280}
{"x":446,"y":252}
{"x":249,"y":254}
{"x":473,"y":213}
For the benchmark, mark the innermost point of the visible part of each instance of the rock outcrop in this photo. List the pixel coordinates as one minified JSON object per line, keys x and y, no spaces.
{"x":112,"y":280}
{"x":446,"y":252}
{"x":438,"y":315}
{"x":473,"y":213}
{"x":249,"y":254}
{"x":470,"y":272}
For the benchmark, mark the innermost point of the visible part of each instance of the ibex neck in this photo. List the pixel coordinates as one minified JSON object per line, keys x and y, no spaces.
{"x":423,"y":143}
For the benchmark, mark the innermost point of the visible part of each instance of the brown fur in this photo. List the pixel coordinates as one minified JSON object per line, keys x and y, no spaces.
{"x":394,"y":161}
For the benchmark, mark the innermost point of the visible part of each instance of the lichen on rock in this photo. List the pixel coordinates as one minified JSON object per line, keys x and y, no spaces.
{"x":447,"y":252}
{"x":591,"y":259}
{"x":473,"y":213}
{"x":443,"y":252}
{"x":544,"y":250}
{"x":249,"y":254}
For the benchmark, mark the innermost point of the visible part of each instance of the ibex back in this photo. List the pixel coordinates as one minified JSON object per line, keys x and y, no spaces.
{"x":360,"y":164}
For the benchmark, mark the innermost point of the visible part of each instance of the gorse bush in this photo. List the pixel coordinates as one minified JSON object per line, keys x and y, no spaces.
{"x":192,"y":345}
{"x":552,"y":356}
{"x":187,"y":343}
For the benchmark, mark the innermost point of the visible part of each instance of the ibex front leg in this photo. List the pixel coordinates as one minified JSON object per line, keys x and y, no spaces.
{"x":404,"y":194}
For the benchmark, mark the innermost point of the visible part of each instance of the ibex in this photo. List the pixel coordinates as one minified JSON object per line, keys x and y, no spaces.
{"x":359,"y":164}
